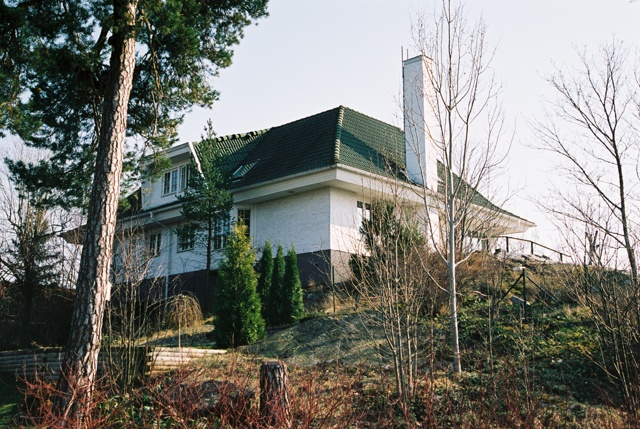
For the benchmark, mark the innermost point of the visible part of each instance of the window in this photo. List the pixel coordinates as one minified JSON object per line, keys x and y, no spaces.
{"x":363,"y":213}
{"x":242,"y":170}
{"x":220,"y":233}
{"x":175,"y":180}
{"x":154,"y":243}
{"x":244,"y":216}
{"x":186,"y":237}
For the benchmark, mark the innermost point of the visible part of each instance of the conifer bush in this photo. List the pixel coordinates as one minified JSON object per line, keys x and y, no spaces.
{"x":237,"y":305}
{"x":266,"y":276}
{"x":274,"y":309}
{"x":293,"y":306}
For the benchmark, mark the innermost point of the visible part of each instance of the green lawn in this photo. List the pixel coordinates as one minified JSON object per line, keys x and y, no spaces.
{"x":9,"y":399}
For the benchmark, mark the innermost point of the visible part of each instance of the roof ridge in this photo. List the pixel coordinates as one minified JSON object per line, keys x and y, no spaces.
{"x":336,"y":147}
{"x":242,"y":135}
{"x":380,"y":121}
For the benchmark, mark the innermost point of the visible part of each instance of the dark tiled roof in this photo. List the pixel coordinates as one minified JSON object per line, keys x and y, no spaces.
{"x":469,"y":193}
{"x":337,"y":136}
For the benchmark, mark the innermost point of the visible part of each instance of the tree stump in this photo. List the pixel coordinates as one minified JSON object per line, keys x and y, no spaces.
{"x":274,"y":397}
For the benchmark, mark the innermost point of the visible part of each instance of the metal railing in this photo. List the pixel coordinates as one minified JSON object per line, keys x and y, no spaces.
{"x":528,"y":245}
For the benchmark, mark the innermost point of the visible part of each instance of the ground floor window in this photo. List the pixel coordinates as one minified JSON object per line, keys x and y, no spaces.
{"x":186,"y":237}
{"x":244,"y":216}
{"x":154,"y":243}
{"x":220,"y":233}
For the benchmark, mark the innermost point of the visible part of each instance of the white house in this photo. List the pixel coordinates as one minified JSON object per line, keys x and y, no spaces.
{"x":307,"y":183}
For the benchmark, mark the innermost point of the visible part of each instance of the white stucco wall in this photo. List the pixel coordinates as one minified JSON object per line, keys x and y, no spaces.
{"x":300,"y":219}
{"x":345,"y":220}
{"x":152,"y":191}
{"x":170,"y":261}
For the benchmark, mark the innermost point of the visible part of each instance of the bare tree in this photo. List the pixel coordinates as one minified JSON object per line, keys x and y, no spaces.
{"x":391,"y":280}
{"x":453,"y":124}
{"x":133,"y":310}
{"x":591,"y":128}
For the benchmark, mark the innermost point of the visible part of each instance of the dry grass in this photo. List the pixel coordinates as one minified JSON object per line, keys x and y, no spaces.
{"x":222,"y":392}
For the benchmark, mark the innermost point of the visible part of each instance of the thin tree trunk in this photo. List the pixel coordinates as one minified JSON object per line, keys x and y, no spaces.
{"x":29,"y":292}
{"x":76,"y":381}
{"x":453,"y":304}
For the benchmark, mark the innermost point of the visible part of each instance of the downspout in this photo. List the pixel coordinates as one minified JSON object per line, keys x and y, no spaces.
{"x":169,"y":249}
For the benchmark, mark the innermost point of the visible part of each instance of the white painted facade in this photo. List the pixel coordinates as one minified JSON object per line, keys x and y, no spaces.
{"x":318,"y":211}
{"x":420,"y":124}
{"x":314,"y":212}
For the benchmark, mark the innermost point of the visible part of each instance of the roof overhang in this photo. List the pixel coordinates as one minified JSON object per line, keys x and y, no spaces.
{"x":369,"y":185}
{"x":374,"y":186}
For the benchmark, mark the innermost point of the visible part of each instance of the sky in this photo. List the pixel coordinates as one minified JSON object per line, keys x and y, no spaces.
{"x":309,"y":56}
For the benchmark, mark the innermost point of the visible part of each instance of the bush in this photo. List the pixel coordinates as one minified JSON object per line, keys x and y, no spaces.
{"x":292,"y":303}
{"x":183,"y":311}
{"x":266,"y":277}
{"x":237,"y":305}
{"x":273,"y":311}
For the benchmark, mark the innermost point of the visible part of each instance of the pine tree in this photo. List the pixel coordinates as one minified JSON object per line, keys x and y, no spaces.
{"x":276,"y":294}
{"x":292,"y":304}
{"x":111,"y":69}
{"x":237,"y":305}
{"x":207,"y":200}
{"x":266,"y":276}
{"x":28,"y":257}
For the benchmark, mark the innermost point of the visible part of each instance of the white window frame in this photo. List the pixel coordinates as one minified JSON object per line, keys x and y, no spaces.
{"x":154,"y":243}
{"x":186,"y":238}
{"x":363,"y":212}
{"x":175,"y":180}
{"x":246,"y":219}
{"x":220,"y":233}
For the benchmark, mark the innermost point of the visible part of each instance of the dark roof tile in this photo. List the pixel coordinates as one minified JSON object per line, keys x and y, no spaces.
{"x":337,"y":136}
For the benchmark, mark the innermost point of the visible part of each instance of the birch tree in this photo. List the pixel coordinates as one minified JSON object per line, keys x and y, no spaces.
{"x":591,"y":129}
{"x":463,"y":124}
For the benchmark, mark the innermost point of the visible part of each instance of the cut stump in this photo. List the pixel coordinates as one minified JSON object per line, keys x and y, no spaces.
{"x":274,"y":397}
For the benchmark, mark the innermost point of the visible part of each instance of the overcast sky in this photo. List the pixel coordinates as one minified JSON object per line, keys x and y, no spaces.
{"x":313,"y":55}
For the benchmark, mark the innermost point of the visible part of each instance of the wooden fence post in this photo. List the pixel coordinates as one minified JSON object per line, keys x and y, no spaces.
{"x":274,"y":397}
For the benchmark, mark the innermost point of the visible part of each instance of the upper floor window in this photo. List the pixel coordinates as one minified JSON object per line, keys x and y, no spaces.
{"x":175,"y":180}
{"x":186,"y":237}
{"x":244,"y":216}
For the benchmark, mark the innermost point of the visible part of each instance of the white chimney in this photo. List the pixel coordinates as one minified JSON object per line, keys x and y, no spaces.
{"x":421,"y":151}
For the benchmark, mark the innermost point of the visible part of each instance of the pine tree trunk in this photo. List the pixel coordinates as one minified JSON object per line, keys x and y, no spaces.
{"x":76,"y":381}
{"x":274,"y":397}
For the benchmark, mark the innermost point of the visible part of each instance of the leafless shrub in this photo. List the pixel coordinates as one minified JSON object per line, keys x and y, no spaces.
{"x":183,"y":311}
